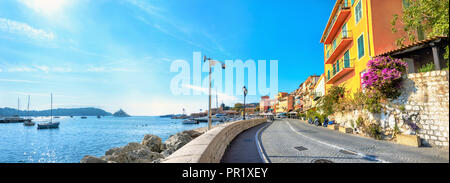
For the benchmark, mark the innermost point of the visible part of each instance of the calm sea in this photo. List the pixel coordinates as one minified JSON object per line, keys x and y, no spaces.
{"x":78,"y":137}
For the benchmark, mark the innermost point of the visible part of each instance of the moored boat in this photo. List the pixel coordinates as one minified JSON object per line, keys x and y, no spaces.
{"x":190,"y":121}
{"x":50,"y":124}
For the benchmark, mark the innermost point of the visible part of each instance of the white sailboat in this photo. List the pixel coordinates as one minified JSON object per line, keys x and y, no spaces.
{"x":50,"y":124}
{"x":28,"y":122}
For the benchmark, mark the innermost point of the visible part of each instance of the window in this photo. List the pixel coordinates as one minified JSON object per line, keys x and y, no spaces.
{"x":346,"y":59}
{"x":358,"y":12}
{"x":352,"y":2}
{"x":334,"y":44}
{"x":361,"y":46}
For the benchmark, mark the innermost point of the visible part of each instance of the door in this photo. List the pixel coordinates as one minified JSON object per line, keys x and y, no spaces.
{"x":344,"y":30}
{"x":347,"y":59}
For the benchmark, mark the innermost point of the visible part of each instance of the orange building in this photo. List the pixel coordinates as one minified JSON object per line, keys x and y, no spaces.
{"x":356,"y":31}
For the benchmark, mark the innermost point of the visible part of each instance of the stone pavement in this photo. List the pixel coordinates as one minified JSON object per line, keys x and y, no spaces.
{"x":294,"y":141}
{"x":243,"y":148}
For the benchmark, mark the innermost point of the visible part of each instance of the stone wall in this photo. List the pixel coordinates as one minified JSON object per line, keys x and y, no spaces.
{"x":210,"y":147}
{"x":422,"y":109}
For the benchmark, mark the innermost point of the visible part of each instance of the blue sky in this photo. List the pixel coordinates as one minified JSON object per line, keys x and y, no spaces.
{"x":117,"y":53}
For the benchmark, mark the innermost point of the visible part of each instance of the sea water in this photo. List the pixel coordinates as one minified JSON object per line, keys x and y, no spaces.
{"x":78,"y":137}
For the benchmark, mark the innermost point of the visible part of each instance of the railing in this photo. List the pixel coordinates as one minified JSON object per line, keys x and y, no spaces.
{"x":339,"y":66}
{"x":345,"y":34}
{"x":343,"y":5}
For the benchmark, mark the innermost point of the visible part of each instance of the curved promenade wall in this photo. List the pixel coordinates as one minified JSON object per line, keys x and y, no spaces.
{"x":210,"y":147}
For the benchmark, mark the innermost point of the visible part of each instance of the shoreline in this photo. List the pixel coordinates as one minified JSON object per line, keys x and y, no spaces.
{"x":150,"y":150}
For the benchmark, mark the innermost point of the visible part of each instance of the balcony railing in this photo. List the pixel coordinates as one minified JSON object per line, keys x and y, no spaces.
{"x":340,"y":15}
{"x":342,"y":41}
{"x":340,"y":68}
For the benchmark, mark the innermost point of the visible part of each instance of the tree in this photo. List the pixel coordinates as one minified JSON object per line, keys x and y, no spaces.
{"x":424,"y":18}
{"x":238,"y":106}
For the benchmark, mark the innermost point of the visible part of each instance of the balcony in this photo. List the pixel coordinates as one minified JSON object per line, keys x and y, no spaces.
{"x":338,"y":20}
{"x":342,"y":41}
{"x":340,"y":69}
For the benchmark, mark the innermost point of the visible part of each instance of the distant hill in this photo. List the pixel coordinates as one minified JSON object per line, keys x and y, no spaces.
{"x":121,"y":113}
{"x":89,"y":111}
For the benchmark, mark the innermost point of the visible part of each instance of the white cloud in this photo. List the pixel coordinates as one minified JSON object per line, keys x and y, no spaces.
{"x":115,"y":69}
{"x":61,"y":69}
{"x":18,"y":81}
{"x":46,"y":7}
{"x":43,"y":68}
{"x":222,"y":96}
{"x":21,"y":69}
{"x":15,"y":27}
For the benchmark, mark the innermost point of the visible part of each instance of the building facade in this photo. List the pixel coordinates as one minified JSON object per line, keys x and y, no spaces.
{"x":356,"y":31}
{"x":319,"y":90}
{"x":308,"y":92}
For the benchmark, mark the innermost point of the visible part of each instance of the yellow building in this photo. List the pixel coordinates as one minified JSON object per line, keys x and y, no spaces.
{"x":356,"y":31}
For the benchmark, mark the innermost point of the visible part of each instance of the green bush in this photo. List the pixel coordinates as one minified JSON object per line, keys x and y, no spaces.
{"x":374,"y":131}
{"x":359,"y":122}
{"x":426,"y":68}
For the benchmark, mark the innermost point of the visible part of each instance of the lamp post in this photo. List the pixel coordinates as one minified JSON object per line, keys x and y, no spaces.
{"x":244,"y":89}
{"x":211,"y":62}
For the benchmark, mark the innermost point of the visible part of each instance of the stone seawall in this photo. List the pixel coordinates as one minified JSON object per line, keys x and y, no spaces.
{"x":210,"y":147}
{"x":422,"y":109}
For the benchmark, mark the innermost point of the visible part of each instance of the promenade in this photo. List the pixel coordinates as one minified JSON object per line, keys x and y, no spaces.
{"x":295,"y":141}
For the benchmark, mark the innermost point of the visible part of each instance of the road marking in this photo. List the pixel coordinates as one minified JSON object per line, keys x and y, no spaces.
{"x":339,"y":148}
{"x":258,"y":143}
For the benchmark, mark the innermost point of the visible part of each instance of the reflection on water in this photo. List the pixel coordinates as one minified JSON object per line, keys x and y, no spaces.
{"x":77,"y":137}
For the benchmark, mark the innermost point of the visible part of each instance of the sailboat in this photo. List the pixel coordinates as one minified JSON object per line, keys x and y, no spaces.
{"x":50,"y":124}
{"x":28,"y":121}
{"x":15,"y":118}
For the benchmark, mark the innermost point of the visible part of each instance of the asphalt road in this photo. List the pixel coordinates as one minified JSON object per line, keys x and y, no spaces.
{"x":295,"y":141}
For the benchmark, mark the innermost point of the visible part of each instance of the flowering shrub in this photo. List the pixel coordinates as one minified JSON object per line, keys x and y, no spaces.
{"x":384,"y":76}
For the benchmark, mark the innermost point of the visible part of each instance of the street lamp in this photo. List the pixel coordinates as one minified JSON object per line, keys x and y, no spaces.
{"x":244,"y":89}
{"x":211,"y":62}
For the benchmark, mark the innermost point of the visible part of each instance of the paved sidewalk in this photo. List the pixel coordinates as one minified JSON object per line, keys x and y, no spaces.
{"x":294,"y":141}
{"x":243,"y":148}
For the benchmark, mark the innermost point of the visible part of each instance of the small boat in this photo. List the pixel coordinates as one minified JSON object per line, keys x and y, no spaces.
{"x":56,"y":117}
{"x":28,"y":123}
{"x":50,"y":124}
{"x":83,"y":117}
{"x":71,"y":116}
{"x":98,"y":116}
{"x":190,"y":121}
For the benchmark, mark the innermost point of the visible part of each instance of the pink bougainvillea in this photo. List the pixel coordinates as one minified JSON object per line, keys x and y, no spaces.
{"x":384,"y":76}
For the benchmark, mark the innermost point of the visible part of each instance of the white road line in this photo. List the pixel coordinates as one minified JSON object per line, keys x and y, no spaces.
{"x":337,"y":147}
{"x":258,"y":143}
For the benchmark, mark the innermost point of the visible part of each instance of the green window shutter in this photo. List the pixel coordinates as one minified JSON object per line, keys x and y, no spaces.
{"x":358,"y":12}
{"x":361,"y":46}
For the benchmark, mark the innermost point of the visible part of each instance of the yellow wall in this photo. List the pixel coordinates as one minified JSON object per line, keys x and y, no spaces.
{"x":363,"y":27}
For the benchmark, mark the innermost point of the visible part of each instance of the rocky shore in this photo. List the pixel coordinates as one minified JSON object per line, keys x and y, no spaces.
{"x":150,"y":150}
